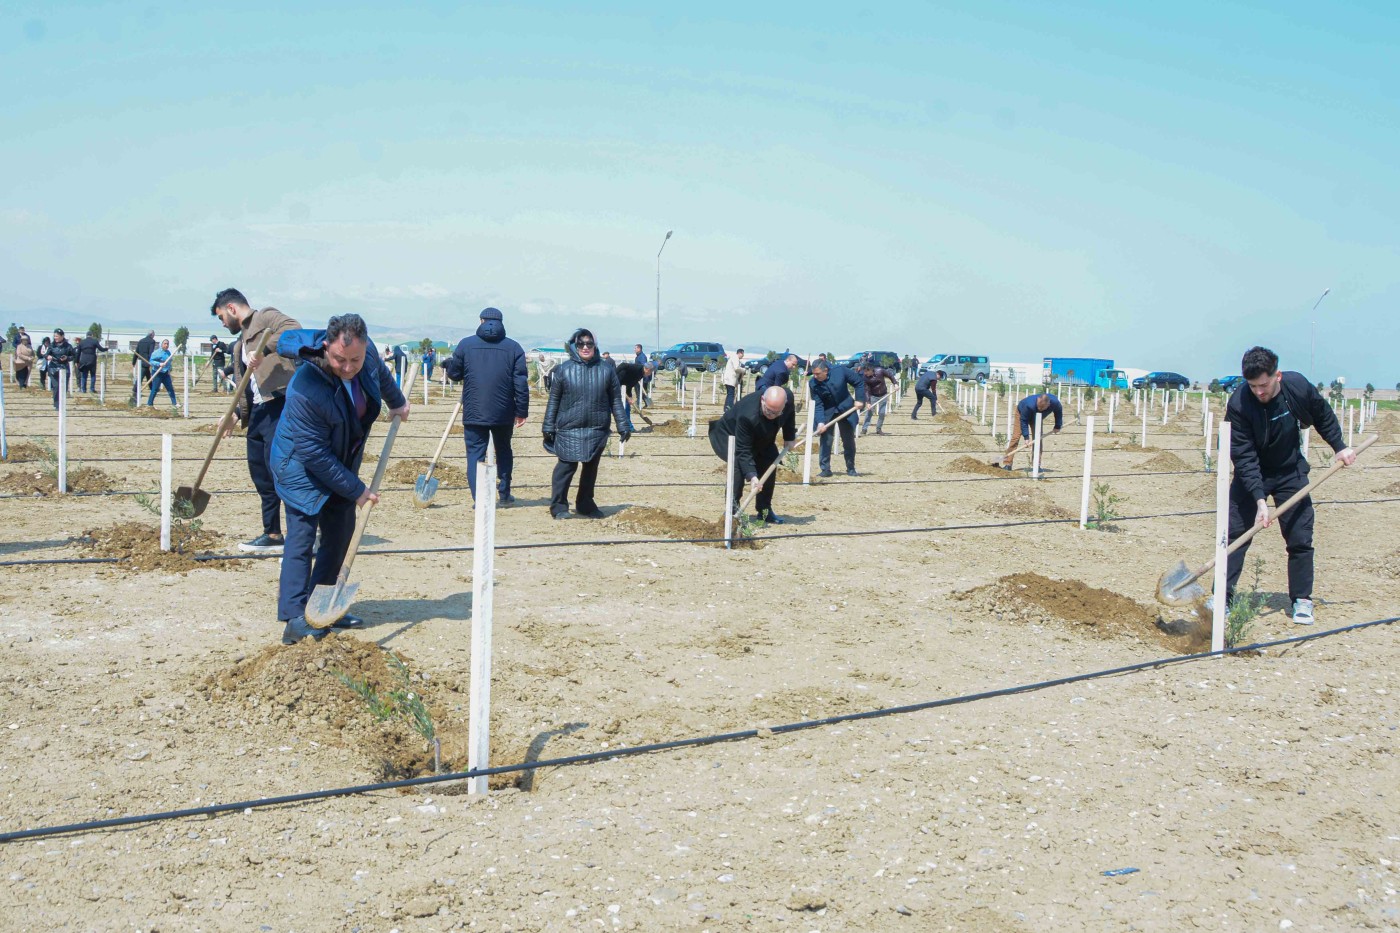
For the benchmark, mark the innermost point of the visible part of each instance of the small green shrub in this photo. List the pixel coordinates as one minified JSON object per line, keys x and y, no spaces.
{"x":1244,"y":609}
{"x":1104,"y":509}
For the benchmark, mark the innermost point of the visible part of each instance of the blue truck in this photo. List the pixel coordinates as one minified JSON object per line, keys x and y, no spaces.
{"x":1084,"y":371}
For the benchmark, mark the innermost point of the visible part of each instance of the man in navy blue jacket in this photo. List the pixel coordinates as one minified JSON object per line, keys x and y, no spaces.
{"x":777,"y":373}
{"x":495,"y":396}
{"x":334,"y":396}
{"x":830,"y":387}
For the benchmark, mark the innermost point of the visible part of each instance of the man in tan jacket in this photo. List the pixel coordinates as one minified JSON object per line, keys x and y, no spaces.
{"x":260,"y":408}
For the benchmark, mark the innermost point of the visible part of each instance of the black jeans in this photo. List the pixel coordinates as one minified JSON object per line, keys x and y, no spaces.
{"x":22,"y":376}
{"x":922,"y":395}
{"x":847,"y":428}
{"x":728,"y":397}
{"x":56,"y":374}
{"x":564,"y":475}
{"x":1296,"y":526}
{"x":262,"y":425}
{"x":475,"y":436}
{"x":763,"y":457}
{"x":87,"y":378}
{"x":299,"y":574}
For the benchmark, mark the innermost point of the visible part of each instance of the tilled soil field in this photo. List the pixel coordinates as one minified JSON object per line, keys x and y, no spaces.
{"x":1253,"y":792}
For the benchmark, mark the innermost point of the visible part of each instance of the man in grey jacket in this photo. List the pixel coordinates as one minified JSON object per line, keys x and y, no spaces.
{"x":584,"y":394}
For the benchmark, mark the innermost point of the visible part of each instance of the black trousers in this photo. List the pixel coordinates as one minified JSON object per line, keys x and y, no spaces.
{"x":476,"y":437}
{"x":300,"y":573}
{"x":56,"y":374}
{"x":87,"y":378}
{"x":564,"y":476}
{"x":763,"y":457}
{"x":847,"y":428}
{"x":1296,"y":525}
{"x":22,"y":376}
{"x":728,"y":397}
{"x":262,"y":425}
{"x":919,"y":403}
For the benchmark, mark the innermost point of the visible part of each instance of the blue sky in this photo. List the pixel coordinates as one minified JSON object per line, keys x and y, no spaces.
{"x":1165,"y":186}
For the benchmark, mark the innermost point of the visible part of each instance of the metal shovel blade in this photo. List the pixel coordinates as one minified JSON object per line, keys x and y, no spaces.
{"x":197,"y":499}
{"x":424,"y":488}
{"x":1178,"y":587}
{"x":328,"y":603}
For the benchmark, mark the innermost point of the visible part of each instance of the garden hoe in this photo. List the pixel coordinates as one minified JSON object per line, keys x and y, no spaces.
{"x":425,"y":486}
{"x":328,"y":603}
{"x":193,"y":498}
{"x":1178,"y":586}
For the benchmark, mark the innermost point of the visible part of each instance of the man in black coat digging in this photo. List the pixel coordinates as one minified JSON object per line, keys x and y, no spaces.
{"x":754,"y":422}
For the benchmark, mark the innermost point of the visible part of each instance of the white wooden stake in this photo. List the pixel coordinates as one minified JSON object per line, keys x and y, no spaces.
{"x":1222,"y":537}
{"x":995,"y":410}
{"x":1351,"y":414}
{"x":1143,"y":443}
{"x":61,"y":376}
{"x":425,"y":383}
{"x":807,"y":457}
{"x":1210,"y":422}
{"x":165,"y":492}
{"x":714,"y":390}
{"x":4,"y":444}
{"x":1304,"y":442}
{"x":1088,"y":472}
{"x":185,"y":395}
{"x":102,"y":383}
{"x":729,"y":497}
{"x":694,"y":411}
{"x":1112,"y":407}
{"x":1039,"y":425}
{"x":1166,"y":409}
{"x":1011,"y":412}
{"x":483,"y":586}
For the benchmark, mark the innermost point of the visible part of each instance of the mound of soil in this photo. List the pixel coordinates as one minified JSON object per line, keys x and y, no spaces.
{"x":137,"y":546}
{"x":38,"y":483}
{"x":978,"y":467}
{"x":672,"y":428}
{"x":1164,"y":462}
{"x":964,"y":442}
{"x":947,"y":417}
{"x":212,"y":428}
{"x":1392,"y":490}
{"x":25,"y":450}
{"x":1097,"y":613}
{"x":659,"y":523}
{"x":302,"y":687}
{"x":146,"y":411}
{"x":408,"y":471}
{"x":1393,"y":457}
{"x":1026,"y":502}
{"x":957,"y":427}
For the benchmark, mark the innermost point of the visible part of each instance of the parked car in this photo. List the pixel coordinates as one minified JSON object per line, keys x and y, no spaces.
{"x":886,"y":358}
{"x":707,"y":356}
{"x":964,"y":366}
{"x":1162,"y":380}
{"x":1228,"y":384}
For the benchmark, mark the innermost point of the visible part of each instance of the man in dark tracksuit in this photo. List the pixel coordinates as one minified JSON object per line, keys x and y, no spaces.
{"x":144,"y":348}
{"x":88,"y":348}
{"x":218,"y":359}
{"x":1043,"y":403}
{"x":926,"y":389}
{"x":399,"y":358}
{"x":830,"y":387}
{"x":332,"y":401}
{"x":754,"y":422}
{"x":495,"y":397}
{"x":1267,"y":416}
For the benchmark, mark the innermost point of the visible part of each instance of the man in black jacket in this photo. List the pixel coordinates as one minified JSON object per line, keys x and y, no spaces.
{"x":1267,"y":416}
{"x":830,"y":387}
{"x":926,"y":389}
{"x":632,"y":376}
{"x":754,"y":422}
{"x":218,"y":359}
{"x":88,"y":348}
{"x":777,"y":373}
{"x":144,"y":348}
{"x":495,"y":396}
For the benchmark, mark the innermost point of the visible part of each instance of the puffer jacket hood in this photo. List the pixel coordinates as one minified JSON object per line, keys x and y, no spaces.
{"x":573,"y":350}
{"x":491,"y":331}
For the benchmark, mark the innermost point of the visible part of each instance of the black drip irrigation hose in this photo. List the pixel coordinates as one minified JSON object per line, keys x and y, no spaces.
{"x":696,"y":742}
{"x":614,"y":542}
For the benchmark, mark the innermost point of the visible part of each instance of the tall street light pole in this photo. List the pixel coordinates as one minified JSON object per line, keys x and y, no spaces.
{"x":658,"y":289}
{"x":1312,"y":361}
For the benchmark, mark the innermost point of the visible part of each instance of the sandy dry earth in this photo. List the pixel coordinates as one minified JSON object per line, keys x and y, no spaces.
{"x":1251,"y":793}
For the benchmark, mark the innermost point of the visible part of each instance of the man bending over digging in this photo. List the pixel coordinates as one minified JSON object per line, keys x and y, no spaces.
{"x":1045,"y":403}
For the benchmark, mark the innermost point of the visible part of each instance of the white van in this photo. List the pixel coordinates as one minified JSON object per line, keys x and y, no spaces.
{"x":964,"y":366}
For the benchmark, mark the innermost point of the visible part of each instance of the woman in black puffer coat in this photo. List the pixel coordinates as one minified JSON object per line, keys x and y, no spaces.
{"x":583,"y":394}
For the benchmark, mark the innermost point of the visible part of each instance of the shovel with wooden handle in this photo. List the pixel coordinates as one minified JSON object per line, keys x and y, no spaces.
{"x":192,"y":497}
{"x":328,"y":603}
{"x":426,"y":486}
{"x":1178,"y":586}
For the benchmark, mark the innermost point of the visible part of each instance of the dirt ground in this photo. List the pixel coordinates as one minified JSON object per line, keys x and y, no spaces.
{"x":1256,"y":792}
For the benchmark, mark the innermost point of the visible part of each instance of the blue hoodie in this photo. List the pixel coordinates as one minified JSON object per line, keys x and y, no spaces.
{"x":319,"y":444}
{"x":495,"y":382}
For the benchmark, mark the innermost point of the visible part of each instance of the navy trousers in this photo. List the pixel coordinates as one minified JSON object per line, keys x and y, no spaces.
{"x":848,"y":444}
{"x":476,"y":436}
{"x":262,"y":425}
{"x":300,"y":575}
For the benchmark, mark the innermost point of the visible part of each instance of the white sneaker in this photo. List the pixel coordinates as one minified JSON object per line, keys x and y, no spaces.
{"x":1302,"y":612}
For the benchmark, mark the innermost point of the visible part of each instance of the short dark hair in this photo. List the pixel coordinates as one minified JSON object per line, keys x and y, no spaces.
{"x":346,"y":327}
{"x":821,"y":366}
{"x":229,"y":296}
{"x":1259,"y":361}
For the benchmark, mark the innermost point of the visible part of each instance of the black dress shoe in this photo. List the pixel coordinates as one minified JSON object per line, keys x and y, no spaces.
{"x":824,"y":473}
{"x":771,"y":518}
{"x":299,"y":628}
{"x":594,"y":512}
{"x":852,"y":472}
{"x":560,"y":516}
{"x":505,"y":500}
{"x":348,"y":621}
